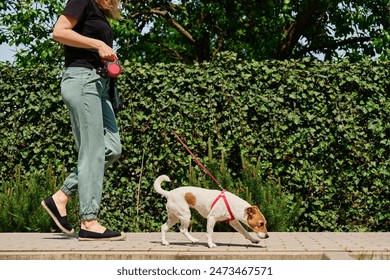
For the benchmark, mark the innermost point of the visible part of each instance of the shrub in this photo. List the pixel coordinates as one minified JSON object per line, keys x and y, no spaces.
{"x":20,"y":202}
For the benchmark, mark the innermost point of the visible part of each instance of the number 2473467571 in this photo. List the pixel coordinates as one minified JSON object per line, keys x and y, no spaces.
{"x":246,"y":270}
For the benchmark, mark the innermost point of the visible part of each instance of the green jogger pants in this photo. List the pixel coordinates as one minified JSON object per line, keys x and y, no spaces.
{"x":94,"y":127}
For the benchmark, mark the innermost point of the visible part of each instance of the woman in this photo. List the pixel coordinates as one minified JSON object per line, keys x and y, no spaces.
{"x":88,"y":38}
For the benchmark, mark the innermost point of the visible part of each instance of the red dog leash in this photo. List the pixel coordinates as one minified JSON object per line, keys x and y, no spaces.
{"x":198,"y":161}
{"x":222,"y":194}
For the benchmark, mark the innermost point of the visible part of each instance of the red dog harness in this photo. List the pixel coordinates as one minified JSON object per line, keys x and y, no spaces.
{"x":222,"y":195}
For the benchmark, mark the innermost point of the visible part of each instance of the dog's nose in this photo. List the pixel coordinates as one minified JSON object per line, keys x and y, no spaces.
{"x":266,"y":235}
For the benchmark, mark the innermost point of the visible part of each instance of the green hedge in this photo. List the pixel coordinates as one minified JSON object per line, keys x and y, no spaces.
{"x":320,"y":130}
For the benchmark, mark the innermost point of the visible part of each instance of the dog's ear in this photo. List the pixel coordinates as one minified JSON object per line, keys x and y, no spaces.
{"x":250,"y":211}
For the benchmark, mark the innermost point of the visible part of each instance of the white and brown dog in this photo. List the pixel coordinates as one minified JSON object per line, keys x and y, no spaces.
{"x":215,"y":206}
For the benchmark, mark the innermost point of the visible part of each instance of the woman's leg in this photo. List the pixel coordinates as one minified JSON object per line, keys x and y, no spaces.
{"x":97,"y":138}
{"x":113,"y":150}
{"x":82,"y":91}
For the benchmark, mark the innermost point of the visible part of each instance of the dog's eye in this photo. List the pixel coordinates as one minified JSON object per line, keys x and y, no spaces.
{"x":261,"y":224}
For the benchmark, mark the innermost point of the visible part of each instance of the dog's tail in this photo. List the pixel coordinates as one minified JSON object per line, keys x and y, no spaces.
{"x":157,"y":184}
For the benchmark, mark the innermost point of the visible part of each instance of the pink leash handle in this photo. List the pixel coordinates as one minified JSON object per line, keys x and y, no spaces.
{"x":113,"y":68}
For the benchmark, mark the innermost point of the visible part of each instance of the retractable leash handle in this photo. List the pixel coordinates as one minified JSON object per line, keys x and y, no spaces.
{"x":113,"y":68}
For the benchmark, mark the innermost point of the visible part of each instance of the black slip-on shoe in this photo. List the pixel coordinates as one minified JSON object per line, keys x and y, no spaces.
{"x":86,"y":235}
{"x":62,"y":222}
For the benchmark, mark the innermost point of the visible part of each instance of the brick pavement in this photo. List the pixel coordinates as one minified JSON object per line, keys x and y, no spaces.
{"x":146,"y":246}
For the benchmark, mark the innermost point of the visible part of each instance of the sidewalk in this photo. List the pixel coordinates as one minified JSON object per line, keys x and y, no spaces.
{"x":147,"y":246}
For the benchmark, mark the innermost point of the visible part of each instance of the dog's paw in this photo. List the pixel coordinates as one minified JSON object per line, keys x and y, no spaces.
{"x":194,"y":240}
{"x":255,"y":241}
{"x":165,"y":243}
{"x":211,"y":245}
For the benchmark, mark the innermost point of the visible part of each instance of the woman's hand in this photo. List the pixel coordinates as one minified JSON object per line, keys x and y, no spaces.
{"x":106,"y":53}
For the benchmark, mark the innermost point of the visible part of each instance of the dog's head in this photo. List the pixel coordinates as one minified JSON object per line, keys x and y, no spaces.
{"x":256,"y":221}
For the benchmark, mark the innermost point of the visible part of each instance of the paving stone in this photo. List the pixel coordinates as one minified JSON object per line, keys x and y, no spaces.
{"x":231,"y":245}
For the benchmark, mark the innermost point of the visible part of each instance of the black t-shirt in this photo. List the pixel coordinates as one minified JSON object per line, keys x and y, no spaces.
{"x":92,"y":23}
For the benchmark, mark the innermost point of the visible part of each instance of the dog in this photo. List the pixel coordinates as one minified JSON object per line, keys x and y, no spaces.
{"x":215,"y":206}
